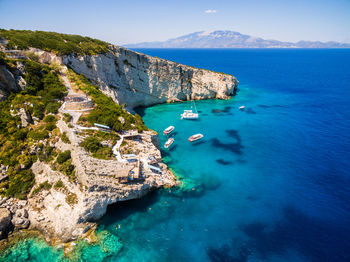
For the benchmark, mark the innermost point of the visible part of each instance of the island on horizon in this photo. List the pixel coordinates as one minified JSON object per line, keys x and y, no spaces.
{"x":231,"y":39}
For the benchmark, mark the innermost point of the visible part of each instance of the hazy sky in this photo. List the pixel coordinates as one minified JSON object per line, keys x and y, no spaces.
{"x":121,"y":22}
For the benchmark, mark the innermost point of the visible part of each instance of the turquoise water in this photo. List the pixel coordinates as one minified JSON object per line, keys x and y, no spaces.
{"x":270,"y":183}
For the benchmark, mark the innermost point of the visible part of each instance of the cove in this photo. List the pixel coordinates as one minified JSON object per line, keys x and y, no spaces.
{"x":270,"y":183}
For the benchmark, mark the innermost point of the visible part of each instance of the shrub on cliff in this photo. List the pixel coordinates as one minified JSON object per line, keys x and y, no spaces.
{"x":63,"y":157}
{"x":63,"y":44}
{"x":106,"y":111}
{"x":43,"y":89}
{"x":91,"y":144}
{"x":65,"y":165}
{"x":65,"y":138}
{"x":2,"y":58}
{"x":46,"y":153}
{"x":71,"y":199}
{"x":50,"y":119}
{"x":67,"y":117}
{"x":42,"y":186}
{"x":58,"y":185}
{"x":38,"y":135}
{"x":68,"y":169}
{"x":17,"y":149}
{"x":50,"y":126}
{"x":103,"y":153}
{"x":52,"y":107}
{"x":20,"y":183}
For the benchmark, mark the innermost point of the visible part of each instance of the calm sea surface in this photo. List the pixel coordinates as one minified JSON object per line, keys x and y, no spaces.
{"x":270,"y":183}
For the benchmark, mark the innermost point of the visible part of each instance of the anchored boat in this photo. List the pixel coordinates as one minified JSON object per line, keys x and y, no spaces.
{"x":168,"y":130}
{"x":189,"y":114}
{"x":241,"y":107}
{"x":169,"y":142}
{"x":195,"y":137}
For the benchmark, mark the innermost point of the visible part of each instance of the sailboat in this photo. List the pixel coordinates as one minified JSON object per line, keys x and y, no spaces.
{"x":189,"y":114}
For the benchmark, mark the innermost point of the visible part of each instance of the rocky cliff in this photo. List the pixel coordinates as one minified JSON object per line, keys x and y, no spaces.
{"x":141,"y":80}
{"x":11,"y":80}
{"x":51,"y":211}
{"x":64,"y":208}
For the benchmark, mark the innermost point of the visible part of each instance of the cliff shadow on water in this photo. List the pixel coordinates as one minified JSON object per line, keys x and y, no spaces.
{"x":123,"y":209}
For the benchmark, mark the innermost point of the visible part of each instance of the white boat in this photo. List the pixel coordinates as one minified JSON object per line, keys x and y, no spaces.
{"x":169,"y":142}
{"x":195,"y":137}
{"x":168,"y":130}
{"x":241,"y":107}
{"x":189,"y":114}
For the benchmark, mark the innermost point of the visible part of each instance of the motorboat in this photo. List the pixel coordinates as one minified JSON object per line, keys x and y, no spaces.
{"x":168,"y":130}
{"x":195,"y":137}
{"x":169,"y":143}
{"x":241,"y":107}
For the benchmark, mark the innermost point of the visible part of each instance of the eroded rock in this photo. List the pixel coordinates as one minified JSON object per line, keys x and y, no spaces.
{"x":5,"y":222}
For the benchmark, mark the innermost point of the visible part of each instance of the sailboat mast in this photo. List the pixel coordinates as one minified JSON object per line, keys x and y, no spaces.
{"x":195,"y":108}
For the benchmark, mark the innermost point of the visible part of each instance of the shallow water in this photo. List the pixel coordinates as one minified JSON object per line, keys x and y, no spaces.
{"x":270,"y":183}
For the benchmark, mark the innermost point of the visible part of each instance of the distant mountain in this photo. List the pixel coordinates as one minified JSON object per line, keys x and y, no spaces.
{"x":231,"y":39}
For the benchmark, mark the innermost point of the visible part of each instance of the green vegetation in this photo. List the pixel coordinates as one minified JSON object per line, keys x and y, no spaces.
{"x":38,"y":135}
{"x":106,"y":111}
{"x":18,"y":145}
{"x":65,"y":138}
{"x":71,"y":199}
{"x":113,"y":137}
{"x":42,"y":186}
{"x":50,"y":119}
{"x":58,"y":185}
{"x":46,"y":153}
{"x":103,"y":153}
{"x":50,"y":126}
{"x":64,"y":164}
{"x":62,"y":44}
{"x":2,"y":58}
{"x":93,"y":145}
{"x":67,"y":117}
{"x":63,"y":157}
{"x":67,"y":168}
{"x":20,"y":183}
{"x":43,"y":82}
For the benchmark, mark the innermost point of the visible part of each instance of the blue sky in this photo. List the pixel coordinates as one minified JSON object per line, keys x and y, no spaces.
{"x":122,"y":22}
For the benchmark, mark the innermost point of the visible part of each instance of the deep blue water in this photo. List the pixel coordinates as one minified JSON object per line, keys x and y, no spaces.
{"x":271,"y":183}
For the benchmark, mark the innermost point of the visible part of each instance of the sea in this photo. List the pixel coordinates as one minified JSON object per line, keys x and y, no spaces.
{"x":268,"y":183}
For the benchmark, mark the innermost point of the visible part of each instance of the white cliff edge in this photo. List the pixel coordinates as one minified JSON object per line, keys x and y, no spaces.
{"x":136,"y":79}
{"x":130,"y":78}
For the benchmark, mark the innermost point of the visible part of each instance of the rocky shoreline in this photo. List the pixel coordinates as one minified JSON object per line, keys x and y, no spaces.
{"x":68,"y":210}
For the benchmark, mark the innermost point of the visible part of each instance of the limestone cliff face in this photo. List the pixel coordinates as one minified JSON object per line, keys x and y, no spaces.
{"x":11,"y":81}
{"x":67,"y":211}
{"x":141,"y":80}
{"x":95,"y":188}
